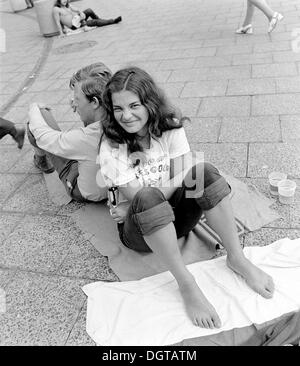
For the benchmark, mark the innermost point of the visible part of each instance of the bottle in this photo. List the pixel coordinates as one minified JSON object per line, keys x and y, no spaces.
{"x":113,"y":196}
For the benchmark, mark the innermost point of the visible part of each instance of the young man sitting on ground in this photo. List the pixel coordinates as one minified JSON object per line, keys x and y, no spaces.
{"x":73,"y":153}
{"x":68,"y":17}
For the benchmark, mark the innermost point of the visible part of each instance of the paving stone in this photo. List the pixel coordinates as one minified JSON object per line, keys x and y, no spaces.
{"x":41,"y":310}
{"x":234,"y":49}
{"x":10,"y":155}
{"x":272,"y":46}
{"x":229,"y":72}
{"x":230,"y":158}
{"x":223,"y":42}
{"x":177,"y":64}
{"x":84,"y":261}
{"x":224,"y":60}
{"x":172,"y":90}
{"x":286,"y":56}
{"x":5,"y":276}
{"x":276,"y":104}
{"x":8,"y":184}
{"x":266,"y":236}
{"x":274,"y":70}
{"x":288,"y":85}
{"x":295,"y":207}
{"x":78,"y":335}
{"x":248,"y":129}
{"x":39,"y":243}
{"x":187,"y":106}
{"x":17,"y":114}
{"x":31,"y":196}
{"x":251,"y":86}
{"x":25,"y":163}
{"x":204,"y":88}
{"x":188,"y":75}
{"x":265,"y":158}
{"x":199,"y":52}
{"x":252,"y":59}
{"x":202,"y":129}
{"x":290,"y":128}
{"x":161,"y":76}
{"x":225,"y":106}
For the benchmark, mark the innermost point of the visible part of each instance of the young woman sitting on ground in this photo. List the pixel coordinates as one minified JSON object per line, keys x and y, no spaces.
{"x":144,"y":155}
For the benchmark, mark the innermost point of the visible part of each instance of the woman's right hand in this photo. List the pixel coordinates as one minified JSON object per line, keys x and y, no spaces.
{"x":119,"y":213}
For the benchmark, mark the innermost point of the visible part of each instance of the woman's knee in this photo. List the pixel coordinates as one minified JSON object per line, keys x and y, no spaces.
{"x":146,"y":198}
{"x":211,"y":174}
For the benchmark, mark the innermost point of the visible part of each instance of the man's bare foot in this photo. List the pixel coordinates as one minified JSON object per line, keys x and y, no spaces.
{"x":257,"y":279}
{"x":201,"y":312}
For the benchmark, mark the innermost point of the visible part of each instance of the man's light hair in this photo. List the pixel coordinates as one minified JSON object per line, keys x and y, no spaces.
{"x":93,"y":79}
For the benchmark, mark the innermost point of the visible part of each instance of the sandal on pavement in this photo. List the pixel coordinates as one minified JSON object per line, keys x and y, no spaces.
{"x":276,"y":17}
{"x":247,"y":29}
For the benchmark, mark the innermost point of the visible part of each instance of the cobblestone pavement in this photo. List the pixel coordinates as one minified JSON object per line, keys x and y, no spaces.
{"x":242,"y":93}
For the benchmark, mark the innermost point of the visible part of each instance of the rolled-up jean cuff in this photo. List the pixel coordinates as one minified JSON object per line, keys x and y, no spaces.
{"x":214,"y":193}
{"x":154,"y":218}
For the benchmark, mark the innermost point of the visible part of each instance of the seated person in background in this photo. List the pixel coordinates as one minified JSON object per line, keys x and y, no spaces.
{"x":73,"y":153}
{"x":66,"y":16}
{"x":9,"y":128}
{"x":29,"y":3}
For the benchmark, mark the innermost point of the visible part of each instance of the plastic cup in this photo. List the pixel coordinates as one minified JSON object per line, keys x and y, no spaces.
{"x":274,"y":179}
{"x":286,"y":191}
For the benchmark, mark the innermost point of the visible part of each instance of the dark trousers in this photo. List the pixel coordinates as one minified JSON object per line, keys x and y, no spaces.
{"x":67,"y":169}
{"x":95,"y":21}
{"x":7,"y":128}
{"x":202,"y":189}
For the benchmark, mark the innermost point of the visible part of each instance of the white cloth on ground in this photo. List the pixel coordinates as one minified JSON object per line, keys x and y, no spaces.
{"x":150,"y":312}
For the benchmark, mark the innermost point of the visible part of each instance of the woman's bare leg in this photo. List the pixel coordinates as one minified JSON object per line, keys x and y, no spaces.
{"x":249,"y":13}
{"x":264,"y":7}
{"x":221,"y":220}
{"x":164,"y":243}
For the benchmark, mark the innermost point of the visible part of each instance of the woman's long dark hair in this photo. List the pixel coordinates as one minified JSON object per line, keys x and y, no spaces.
{"x":162,"y":117}
{"x":58,"y":4}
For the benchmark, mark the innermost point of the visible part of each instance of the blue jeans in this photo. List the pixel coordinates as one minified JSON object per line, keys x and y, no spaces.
{"x":150,"y":211}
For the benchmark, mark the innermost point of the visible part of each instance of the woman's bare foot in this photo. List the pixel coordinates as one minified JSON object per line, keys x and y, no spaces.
{"x":201,"y":312}
{"x":257,"y":279}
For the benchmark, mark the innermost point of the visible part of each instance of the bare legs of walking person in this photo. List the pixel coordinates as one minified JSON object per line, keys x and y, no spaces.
{"x":273,"y":16}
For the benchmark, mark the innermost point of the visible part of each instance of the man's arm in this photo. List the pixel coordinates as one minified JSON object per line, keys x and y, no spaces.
{"x":68,"y":144}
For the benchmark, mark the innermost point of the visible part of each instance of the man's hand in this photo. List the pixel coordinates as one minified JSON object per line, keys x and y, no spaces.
{"x":39,"y":105}
{"x":119,"y":213}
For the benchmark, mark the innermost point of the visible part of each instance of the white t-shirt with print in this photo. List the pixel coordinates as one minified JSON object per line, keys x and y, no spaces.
{"x":150,"y":167}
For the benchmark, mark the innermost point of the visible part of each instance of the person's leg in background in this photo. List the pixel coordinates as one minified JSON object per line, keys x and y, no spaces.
{"x":95,"y":21}
{"x":9,"y":128}
{"x":262,"y":5}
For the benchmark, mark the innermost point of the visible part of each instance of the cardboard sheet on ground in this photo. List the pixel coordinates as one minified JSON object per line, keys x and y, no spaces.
{"x":116,"y":311}
{"x":251,"y":210}
{"x":56,"y":189}
{"x":250,"y":207}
